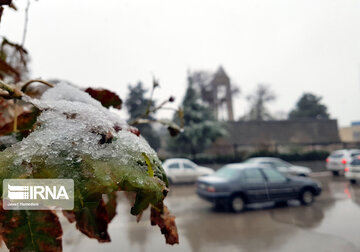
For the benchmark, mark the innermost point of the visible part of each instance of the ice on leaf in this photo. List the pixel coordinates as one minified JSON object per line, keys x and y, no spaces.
{"x":77,"y":138}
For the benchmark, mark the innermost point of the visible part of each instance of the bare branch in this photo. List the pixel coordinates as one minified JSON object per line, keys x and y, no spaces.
{"x":25,"y":22}
{"x":155,"y":85}
{"x":26,"y":84}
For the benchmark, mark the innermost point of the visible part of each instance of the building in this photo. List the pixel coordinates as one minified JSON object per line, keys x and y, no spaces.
{"x":281,"y":136}
{"x":350,"y":134}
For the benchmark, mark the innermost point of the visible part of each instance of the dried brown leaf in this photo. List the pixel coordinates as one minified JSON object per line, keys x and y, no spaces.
{"x":25,"y":123}
{"x":106,"y":97}
{"x":93,"y":219}
{"x":161,"y":216}
{"x":30,"y":230}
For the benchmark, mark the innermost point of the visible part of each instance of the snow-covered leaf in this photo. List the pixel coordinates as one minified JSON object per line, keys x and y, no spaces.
{"x":77,"y":138}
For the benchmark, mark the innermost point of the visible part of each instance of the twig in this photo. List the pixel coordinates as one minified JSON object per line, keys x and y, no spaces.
{"x":25,"y":22}
{"x":142,"y":119}
{"x":158,"y":107}
{"x":15,"y":117}
{"x":26,"y":84}
{"x":168,"y":108}
{"x":155,"y":85}
{"x":13,"y":91}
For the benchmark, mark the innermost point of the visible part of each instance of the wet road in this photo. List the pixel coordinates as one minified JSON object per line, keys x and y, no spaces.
{"x":332,"y":223}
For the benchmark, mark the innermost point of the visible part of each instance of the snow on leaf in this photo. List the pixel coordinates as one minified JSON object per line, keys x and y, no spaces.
{"x":77,"y":138}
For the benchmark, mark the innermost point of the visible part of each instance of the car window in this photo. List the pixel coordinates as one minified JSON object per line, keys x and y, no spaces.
{"x":253,"y":176}
{"x":227,"y":172}
{"x":337,"y":155}
{"x":274,"y":176}
{"x":271,"y":164}
{"x":174,"y":166}
{"x":355,"y":162}
{"x":188,"y":166}
{"x":355,"y":154}
{"x":282,"y":164}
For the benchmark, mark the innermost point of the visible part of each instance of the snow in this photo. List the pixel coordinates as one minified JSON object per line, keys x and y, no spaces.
{"x":72,"y":123}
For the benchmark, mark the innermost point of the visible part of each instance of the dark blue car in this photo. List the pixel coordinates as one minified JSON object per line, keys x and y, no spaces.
{"x":239,"y":184}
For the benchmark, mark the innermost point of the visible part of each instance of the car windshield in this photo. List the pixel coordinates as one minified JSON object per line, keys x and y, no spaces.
{"x":284,"y":164}
{"x":226,"y":172}
{"x":251,"y":160}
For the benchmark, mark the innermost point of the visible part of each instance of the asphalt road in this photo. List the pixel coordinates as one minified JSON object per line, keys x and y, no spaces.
{"x":332,"y":223}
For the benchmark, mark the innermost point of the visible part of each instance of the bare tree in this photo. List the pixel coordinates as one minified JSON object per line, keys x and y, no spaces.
{"x":258,"y":100}
{"x":215,"y":90}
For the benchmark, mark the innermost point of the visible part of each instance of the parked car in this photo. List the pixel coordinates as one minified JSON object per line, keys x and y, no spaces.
{"x":239,"y":184}
{"x":281,"y":166}
{"x":338,"y":160}
{"x":180,"y":170}
{"x":352,"y":170}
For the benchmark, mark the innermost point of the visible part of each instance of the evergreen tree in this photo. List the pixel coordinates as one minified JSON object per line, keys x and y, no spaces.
{"x":309,"y":106}
{"x":136,"y":105}
{"x":201,"y":128}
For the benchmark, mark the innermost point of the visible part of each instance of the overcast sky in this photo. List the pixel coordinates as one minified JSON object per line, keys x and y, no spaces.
{"x":295,"y":46}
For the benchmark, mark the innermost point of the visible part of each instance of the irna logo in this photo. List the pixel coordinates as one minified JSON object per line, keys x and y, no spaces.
{"x":37,"y":192}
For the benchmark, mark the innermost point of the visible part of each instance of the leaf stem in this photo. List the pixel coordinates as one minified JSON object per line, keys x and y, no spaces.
{"x":15,"y":117}
{"x":13,"y":91}
{"x":26,"y":84}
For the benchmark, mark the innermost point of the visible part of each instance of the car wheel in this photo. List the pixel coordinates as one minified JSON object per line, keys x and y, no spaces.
{"x":335,"y":173}
{"x":307,"y":197}
{"x":237,"y":204}
{"x":353,"y":181}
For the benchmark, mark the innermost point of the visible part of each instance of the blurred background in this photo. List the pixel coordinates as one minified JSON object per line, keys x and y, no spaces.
{"x":253,"y":78}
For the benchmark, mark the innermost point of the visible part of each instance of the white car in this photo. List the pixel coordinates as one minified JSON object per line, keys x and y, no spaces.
{"x":338,"y":160}
{"x":181,"y":170}
{"x":281,"y":166}
{"x":352,"y":170}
